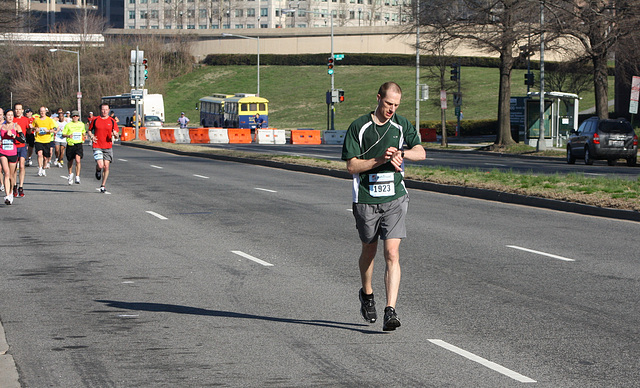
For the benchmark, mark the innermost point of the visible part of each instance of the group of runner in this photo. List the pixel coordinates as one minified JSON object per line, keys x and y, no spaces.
{"x":59,"y":134}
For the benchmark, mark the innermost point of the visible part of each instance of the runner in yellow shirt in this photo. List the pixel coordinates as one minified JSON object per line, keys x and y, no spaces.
{"x":43,"y":127}
{"x":74,"y":132}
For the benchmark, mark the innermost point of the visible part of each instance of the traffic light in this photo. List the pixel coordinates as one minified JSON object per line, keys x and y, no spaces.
{"x":330,"y":65}
{"x":146,"y":68}
{"x":132,"y":75}
{"x":529,"y":79}
{"x":340,"y":95}
{"x":455,"y":72}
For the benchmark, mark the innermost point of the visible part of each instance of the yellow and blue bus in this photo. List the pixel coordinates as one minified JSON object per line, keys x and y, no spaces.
{"x":241,"y":109}
{"x":212,"y":110}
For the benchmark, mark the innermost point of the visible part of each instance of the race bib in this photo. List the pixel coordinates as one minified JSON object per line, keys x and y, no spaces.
{"x":42,"y":131}
{"x":7,"y":145}
{"x":97,"y":154}
{"x":77,"y":136}
{"x":382,"y":185}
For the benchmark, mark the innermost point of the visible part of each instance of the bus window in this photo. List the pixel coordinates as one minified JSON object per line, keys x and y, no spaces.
{"x":262,"y":106}
{"x":244,"y":107}
{"x":253,"y":107}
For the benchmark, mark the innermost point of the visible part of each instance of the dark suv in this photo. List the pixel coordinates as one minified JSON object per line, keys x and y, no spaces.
{"x":609,"y":139}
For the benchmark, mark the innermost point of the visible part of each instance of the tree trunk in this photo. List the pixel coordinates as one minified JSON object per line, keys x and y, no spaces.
{"x":601,"y":86}
{"x":504,"y":100}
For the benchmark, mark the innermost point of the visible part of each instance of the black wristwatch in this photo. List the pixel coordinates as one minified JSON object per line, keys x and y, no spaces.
{"x":402,"y":154}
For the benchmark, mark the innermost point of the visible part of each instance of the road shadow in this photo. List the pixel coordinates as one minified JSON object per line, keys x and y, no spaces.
{"x":178,"y":309}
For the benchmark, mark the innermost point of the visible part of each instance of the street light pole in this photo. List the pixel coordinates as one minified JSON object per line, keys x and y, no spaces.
{"x":258,"y":41}
{"x":79,"y":89}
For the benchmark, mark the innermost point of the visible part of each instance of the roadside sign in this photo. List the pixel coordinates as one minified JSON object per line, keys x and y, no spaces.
{"x":339,"y":57}
{"x":79,"y":94}
{"x":635,"y":95}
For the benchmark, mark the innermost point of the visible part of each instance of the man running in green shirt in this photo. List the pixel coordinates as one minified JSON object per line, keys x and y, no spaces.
{"x":74,"y":132}
{"x":374,"y":151}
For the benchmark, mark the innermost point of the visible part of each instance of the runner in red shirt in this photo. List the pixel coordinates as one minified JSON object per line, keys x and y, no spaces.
{"x":24,"y":123}
{"x":102,"y":130}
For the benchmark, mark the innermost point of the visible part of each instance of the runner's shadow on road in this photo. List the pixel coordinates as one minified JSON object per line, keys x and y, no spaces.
{"x":177,"y":309}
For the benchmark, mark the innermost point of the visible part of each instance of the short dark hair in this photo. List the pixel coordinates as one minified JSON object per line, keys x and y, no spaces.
{"x":385,"y":87}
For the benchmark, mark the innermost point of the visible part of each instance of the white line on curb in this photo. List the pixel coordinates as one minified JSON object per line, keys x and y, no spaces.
{"x":157,"y":215}
{"x":489,"y":364}
{"x":540,"y":253}
{"x":255,"y":259}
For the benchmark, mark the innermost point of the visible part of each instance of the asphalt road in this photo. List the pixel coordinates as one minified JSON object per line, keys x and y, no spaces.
{"x":483,"y":161}
{"x":193,"y":272}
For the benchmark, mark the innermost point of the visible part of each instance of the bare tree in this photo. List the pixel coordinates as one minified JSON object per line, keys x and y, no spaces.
{"x":598,"y":25}
{"x":570,"y":77}
{"x":495,"y":26}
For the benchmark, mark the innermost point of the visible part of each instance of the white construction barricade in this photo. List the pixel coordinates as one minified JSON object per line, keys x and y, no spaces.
{"x":334,"y":137}
{"x":182,"y":135}
{"x":218,"y":135}
{"x":270,"y":136}
{"x":153,"y":134}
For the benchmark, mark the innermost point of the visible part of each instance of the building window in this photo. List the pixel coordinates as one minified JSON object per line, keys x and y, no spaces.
{"x":144,"y":14}
{"x":154,"y":27}
{"x":264,"y":12}
{"x":264,"y":25}
{"x":239,"y":26}
{"x":167,"y":26}
{"x":215,"y":26}
{"x":202,"y":27}
{"x":352,"y":15}
{"x":154,"y":14}
{"x":132,"y":27}
{"x":239,"y":13}
{"x":251,"y":12}
{"x":132,"y":1}
{"x":191,"y":26}
{"x":202,"y":13}
{"x":132,"y":14}
{"x":191,"y":13}
{"x":143,"y":1}
{"x":251,"y":26}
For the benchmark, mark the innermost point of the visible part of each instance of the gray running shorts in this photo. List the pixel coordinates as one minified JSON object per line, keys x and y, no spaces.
{"x":383,"y":221}
{"x":105,"y":154}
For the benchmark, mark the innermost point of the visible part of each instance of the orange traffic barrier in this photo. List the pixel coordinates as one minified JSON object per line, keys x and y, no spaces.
{"x":239,"y":135}
{"x":128,"y":133}
{"x":199,"y":135}
{"x":142,"y":133}
{"x":305,"y":136}
{"x":167,"y":135}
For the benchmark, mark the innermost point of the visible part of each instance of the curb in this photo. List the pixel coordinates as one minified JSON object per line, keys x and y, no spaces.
{"x":463,"y":191}
{"x":8,"y":371}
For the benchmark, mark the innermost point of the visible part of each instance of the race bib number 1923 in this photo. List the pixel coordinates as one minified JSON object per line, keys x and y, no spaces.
{"x":382,"y":185}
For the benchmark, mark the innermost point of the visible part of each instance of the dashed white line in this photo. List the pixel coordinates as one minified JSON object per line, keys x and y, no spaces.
{"x":200,"y":176}
{"x":482,"y":361}
{"x":267,"y":190}
{"x":123,"y":160}
{"x":540,"y":253}
{"x":255,"y":259}
{"x":154,"y":166}
{"x":160,"y":216}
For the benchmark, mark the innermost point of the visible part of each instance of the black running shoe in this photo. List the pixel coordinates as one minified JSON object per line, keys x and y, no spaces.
{"x":391,"y":320}
{"x":98,"y":174}
{"x":367,"y":307}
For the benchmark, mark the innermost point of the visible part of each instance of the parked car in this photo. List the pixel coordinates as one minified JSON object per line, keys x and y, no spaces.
{"x":152,"y":121}
{"x":603,"y":139}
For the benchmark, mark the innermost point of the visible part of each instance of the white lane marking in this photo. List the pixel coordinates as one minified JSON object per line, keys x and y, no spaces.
{"x":255,"y":259}
{"x":160,"y":216}
{"x":65,"y":177}
{"x":154,"y":166}
{"x":489,"y":364}
{"x":123,"y":160}
{"x":128,"y":282}
{"x":270,"y":191}
{"x":200,"y":176}
{"x":540,"y":253}
{"x":495,"y":164}
{"x":128,"y":315}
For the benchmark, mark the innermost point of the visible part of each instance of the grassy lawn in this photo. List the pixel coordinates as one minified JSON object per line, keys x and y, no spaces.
{"x":297,"y":93}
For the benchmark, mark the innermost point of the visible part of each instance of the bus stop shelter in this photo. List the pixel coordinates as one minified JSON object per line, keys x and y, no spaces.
{"x":560,"y":118}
